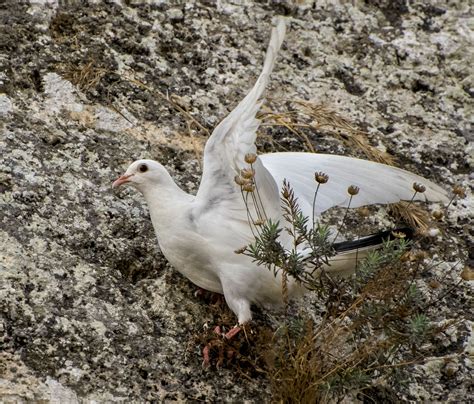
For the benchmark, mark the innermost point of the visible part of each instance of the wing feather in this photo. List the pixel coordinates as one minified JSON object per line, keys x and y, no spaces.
{"x":234,"y":137}
{"x":378,"y":183}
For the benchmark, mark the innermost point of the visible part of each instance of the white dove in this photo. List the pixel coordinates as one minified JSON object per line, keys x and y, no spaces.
{"x":198,"y":234}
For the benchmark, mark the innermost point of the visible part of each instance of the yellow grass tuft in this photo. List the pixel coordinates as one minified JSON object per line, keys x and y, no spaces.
{"x":414,"y":215}
{"x":302,"y":114}
{"x":85,"y":76}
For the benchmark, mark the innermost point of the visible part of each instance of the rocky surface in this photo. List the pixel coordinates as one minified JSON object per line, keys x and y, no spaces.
{"x":90,"y":309}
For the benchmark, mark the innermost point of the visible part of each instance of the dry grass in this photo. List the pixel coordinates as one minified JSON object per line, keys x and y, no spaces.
{"x":242,"y":352}
{"x":85,"y":76}
{"x":365,"y":336}
{"x":414,"y":215}
{"x":360,"y":339}
{"x":300,"y":114}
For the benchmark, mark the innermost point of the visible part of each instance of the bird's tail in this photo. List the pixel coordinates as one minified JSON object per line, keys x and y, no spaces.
{"x":372,"y":240}
{"x":349,"y":253}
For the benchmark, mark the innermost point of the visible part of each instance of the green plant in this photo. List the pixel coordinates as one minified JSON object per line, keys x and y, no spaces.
{"x":374,"y":323}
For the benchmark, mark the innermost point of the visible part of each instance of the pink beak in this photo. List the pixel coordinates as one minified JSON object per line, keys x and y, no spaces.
{"x":121,"y":180}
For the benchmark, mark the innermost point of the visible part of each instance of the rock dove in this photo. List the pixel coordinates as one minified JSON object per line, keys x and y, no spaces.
{"x":199,"y":234}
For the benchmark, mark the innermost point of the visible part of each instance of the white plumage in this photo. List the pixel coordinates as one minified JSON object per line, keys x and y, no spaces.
{"x":199,"y":234}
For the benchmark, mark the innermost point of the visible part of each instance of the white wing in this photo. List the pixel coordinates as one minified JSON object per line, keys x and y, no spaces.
{"x":231,"y":140}
{"x":378,"y":183}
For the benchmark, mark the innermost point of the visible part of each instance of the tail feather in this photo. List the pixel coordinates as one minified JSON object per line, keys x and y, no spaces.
{"x":374,"y":240}
{"x":351,"y":252}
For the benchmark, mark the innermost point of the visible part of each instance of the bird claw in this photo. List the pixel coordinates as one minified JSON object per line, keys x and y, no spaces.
{"x":232,"y":333}
{"x":223,"y":353}
{"x":199,"y":292}
{"x":206,"y":362}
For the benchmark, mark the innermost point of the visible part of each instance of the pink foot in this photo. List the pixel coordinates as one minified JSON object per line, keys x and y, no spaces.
{"x":206,"y":362}
{"x":232,"y":333}
{"x":218,"y":343}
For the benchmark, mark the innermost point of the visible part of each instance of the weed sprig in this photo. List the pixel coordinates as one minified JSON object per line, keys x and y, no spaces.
{"x":375,"y":322}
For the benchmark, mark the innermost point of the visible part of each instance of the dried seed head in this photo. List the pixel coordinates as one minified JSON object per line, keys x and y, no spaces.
{"x":247,"y":173}
{"x":241,"y":250}
{"x":434,"y":284}
{"x":459,"y":191}
{"x":437,"y":214}
{"x":420,"y":255}
{"x":240,"y":180}
{"x":451,"y":368}
{"x":321,"y":178}
{"x":406,"y":257}
{"x":432,"y":232}
{"x":398,"y":234}
{"x":353,"y":190}
{"x":419,"y":187}
{"x":250,"y":158}
{"x":259,"y":222}
{"x":248,"y":187}
{"x":467,"y":274}
{"x":364,"y":211}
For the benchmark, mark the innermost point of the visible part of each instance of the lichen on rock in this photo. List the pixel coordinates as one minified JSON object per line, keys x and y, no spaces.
{"x":90,"y":308}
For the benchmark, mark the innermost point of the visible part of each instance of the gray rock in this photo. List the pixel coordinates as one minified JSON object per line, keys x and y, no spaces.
{"x":90,"y":309}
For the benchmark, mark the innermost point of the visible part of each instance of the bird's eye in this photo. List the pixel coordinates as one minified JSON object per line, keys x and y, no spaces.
{"x":143,"y":168}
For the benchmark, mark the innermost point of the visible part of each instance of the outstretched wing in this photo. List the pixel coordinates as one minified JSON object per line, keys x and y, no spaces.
{"x":231,"y":140}
{"x":378,"y":183}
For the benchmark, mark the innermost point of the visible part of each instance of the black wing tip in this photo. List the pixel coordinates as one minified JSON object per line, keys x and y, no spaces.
{"x":373,"y":239}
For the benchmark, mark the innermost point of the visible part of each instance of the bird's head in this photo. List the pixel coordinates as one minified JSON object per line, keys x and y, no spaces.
{"x":142,"y":174}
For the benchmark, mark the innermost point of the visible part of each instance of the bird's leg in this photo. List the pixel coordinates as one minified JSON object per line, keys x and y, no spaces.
{"x":241,"y":307}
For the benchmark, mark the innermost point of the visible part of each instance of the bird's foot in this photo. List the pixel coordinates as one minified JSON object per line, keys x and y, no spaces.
{"x":232,"y":333}
{"x":206,"y":359}
{"x":220,"y":343}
